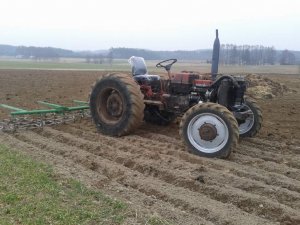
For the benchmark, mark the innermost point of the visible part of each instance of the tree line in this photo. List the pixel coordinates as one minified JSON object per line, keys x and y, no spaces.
{"x":125,"y":53}
{"x":42,"y":53}
{"x":98,"y":58}
{"x":287,"y":58}
{"x":231,"y":54}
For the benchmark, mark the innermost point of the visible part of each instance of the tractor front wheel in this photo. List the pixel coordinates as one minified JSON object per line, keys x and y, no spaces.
{"x":209,"y":130}
{"x":116,"y":104}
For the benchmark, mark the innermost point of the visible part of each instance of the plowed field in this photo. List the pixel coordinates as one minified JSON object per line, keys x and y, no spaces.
{"x":152,"y":171}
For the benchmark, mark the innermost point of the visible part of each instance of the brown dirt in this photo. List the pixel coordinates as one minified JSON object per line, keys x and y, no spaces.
{"x":152,"y":171}
{"x":264,"y":87}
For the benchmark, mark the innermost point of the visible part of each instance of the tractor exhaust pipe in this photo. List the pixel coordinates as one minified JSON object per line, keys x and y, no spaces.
{"x":215,"y":57}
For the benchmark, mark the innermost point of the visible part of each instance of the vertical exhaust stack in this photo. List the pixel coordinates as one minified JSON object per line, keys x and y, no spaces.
{"x":215,"y":57}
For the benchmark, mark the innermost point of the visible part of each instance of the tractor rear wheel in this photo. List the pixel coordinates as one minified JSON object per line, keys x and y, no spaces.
{"x":209,"y":130}
{"x":250,"y":126}
{"x":116,"y":104}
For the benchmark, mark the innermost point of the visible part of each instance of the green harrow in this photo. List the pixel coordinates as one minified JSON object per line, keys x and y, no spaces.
{"x":56,"y":114}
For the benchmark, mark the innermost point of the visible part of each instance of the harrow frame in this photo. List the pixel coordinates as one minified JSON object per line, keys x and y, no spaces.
{"x":54,"y":108}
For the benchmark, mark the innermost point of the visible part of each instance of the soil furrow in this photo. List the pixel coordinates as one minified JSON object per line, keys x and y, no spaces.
{"x":181,"y":198}
{"x":280,"y":168}
{"x":223,"y":193}
{"x":160,"y":137}
{"x":273,"y":151}
{"x":218,"y":175}
{"x":264,"y":153}
{"x":237,"y":169}
{"x":272,"y":145}
{"x":267,"y":166}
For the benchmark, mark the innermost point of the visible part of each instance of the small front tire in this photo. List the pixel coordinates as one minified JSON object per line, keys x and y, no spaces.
{"x":209,"y":130}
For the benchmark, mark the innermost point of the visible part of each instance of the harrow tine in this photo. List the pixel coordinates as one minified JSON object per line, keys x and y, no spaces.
{"x":57,"y":114}
{"x":77,"y":102}
{"x":12,"y":108}
{"x":53,"y":106}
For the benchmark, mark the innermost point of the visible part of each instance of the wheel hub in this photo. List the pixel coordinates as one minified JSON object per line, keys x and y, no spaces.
{"x":114,"y":105}
{"x":208,"y":132}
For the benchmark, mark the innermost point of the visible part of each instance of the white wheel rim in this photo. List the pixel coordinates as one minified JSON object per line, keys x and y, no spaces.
{"x":249,"y":121}
{"x":214,"y":145}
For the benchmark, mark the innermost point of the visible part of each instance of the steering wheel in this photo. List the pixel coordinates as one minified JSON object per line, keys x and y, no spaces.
{"x":168,"y":65}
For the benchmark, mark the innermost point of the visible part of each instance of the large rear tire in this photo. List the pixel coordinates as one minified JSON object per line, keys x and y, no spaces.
{"x":209,"y":130}
{"x":251,"y":125}
{"x":116,"y":104}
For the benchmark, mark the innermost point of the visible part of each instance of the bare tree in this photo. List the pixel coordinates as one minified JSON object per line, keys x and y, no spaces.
{"x":247,"y":55}
{"x":110,"y":56}
{"x":287,"y":58}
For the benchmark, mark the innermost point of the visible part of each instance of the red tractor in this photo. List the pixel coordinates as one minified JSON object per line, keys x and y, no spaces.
{"x":214,"y":112}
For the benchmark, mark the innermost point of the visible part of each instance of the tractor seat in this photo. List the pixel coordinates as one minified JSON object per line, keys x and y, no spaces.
{"x":139,"y":70}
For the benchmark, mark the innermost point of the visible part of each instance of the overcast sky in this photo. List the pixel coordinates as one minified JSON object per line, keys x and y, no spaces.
{"x":150,"y":24}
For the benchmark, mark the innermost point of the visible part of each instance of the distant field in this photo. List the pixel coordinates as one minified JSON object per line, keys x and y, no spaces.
{"x":64,"y":64}
{"x":122,"y":65}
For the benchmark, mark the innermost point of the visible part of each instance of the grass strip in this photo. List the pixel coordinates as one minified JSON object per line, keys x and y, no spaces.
{"x":30,"y":193}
